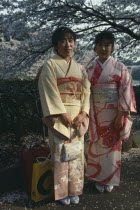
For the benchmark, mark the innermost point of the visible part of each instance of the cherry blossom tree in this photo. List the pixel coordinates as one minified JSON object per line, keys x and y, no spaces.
{"x":27,"y":26}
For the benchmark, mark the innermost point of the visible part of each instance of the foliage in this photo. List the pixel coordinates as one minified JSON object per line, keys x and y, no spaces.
{"x":27,"y":26}
{"x":136,"y":72}
{"x":137,"y":95}
{"x":18,"y":108}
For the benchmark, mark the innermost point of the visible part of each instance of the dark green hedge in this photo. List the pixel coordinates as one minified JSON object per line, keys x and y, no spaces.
{"x":137,"y":95}
{"x":18,"y":110}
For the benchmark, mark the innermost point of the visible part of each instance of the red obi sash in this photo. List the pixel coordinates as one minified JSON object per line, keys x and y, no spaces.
{"x":67,"y":79}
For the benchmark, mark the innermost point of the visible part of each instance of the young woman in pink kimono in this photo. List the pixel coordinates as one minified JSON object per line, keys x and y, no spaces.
{"x":64,"y":92}
{"x":112,"y":100}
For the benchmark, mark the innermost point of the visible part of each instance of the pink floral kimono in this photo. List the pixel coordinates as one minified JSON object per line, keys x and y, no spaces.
{"x":111,"y":90}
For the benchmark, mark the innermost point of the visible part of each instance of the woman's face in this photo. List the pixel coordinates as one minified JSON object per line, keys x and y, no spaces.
{"x":104,"y":50}
{"x":66,"y":46}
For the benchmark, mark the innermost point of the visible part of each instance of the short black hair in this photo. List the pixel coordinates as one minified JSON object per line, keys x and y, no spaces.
{"x":60,"y":33}
{"x":105,"y":35}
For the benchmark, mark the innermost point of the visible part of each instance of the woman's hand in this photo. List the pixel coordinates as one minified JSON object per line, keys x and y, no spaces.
{"x":79,"y":119}
{"x":66,"y":120}
{"x":118,"y":123}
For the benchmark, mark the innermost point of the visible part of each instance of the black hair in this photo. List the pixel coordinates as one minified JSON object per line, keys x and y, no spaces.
{"x":105,"y":35}
{"x":60,"y":33}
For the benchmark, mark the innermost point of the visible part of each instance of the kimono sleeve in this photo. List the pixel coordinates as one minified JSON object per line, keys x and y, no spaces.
{"x":126,"y":102}
{"x":49,"y":95}
{"x":85,"y":92}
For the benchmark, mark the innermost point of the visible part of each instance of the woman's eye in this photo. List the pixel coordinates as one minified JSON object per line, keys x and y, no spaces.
{"x":62,"y":41}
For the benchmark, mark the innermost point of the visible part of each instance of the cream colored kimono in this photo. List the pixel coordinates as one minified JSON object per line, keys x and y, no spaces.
{"x":58,"y":99}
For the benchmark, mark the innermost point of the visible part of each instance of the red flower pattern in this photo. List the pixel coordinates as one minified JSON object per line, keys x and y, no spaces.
{"x":109,"y":134}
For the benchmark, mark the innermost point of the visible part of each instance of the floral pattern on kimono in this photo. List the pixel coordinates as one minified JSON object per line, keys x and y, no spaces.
{"x":67,"y":174}
{"x":111,"y":90}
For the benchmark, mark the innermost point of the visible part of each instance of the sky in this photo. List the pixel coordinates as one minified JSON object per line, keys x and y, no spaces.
{"x":94,"y":1}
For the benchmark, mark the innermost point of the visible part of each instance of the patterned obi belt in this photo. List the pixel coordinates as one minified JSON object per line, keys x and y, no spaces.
{"x":70,"y":89}
{"x":105,"y":93}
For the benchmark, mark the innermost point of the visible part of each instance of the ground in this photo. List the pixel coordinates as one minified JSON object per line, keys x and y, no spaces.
{"x":124,"y":197}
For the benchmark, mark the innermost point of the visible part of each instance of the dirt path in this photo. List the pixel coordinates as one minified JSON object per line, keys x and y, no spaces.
{"x":124,"y":197}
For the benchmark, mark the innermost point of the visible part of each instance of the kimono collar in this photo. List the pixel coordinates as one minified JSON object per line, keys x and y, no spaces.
{"x":60,"y":58}
{"x":105,"y":63}
{"x":63,"y":65}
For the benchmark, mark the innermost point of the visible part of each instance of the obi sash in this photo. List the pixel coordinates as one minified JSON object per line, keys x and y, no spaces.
{"x":70,"y":89}
{"x":105,"y":93}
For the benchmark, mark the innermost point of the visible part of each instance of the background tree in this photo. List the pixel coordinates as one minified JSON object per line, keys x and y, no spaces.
{"x":27,"y":27}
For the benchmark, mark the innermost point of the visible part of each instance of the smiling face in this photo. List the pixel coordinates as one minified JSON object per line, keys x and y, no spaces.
{"x":65,"y":46}
{"x":104,"y":49}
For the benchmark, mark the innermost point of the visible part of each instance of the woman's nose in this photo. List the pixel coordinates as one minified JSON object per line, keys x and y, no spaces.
{"x":68,"y":43}
{"x":103,"y":47}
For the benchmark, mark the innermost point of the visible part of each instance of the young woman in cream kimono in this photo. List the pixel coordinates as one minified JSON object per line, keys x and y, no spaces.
{"x":112,"y":99}
{"x":64,"y":92}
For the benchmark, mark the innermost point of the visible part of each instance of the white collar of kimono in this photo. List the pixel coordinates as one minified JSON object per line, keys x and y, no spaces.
{"x":105,"y":63}
{"x":67,"y":62}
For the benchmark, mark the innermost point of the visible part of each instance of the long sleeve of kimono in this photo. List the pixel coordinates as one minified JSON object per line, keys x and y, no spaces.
{"x":85,"y":92}
{"x":49,"y":95}
{"x":127,"y":102}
